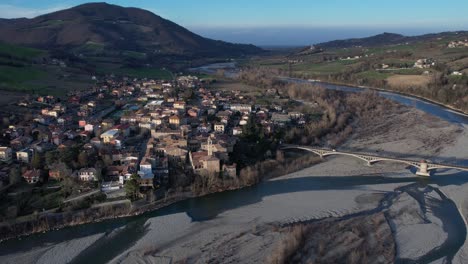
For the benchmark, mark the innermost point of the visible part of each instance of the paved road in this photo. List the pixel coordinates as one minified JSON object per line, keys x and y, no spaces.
{"x":81,"y":196}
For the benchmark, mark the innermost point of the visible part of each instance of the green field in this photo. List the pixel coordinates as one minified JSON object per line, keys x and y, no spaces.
{"x":154,"y":73}
{"x":19,"y":52}
{"x":134,"y":54}
{"x":323,"y":67}
{"x":91,"y":48}
{"x":374,"y":75}
{"x":16,"y":76}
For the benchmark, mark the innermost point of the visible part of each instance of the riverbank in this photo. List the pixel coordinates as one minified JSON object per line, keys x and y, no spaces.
{"x":425,"y":99}
{"x":241,"y":226}
{"x":57,"y":221}
{"x":211,"y":69}
{"x":338,"y":187}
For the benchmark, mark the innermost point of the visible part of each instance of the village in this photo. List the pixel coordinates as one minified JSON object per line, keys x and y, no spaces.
{"x":124,"y":139}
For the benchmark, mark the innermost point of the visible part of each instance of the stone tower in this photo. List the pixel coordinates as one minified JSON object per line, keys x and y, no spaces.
{"x":210,"y":147}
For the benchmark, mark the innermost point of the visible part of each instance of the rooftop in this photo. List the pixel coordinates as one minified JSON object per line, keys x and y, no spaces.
{"x":110,"y":133}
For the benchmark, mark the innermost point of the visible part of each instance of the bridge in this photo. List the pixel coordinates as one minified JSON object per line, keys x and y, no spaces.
{"x":424,"y":167}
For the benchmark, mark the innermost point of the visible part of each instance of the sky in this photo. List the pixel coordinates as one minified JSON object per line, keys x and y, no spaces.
{"x":283,"y":22}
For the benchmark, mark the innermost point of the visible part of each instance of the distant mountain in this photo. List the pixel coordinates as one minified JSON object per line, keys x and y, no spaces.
{"x":106,"y":26}
{"x":384,"y":39}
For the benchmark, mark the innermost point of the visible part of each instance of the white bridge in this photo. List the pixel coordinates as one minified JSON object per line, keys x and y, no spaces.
{"x":424,"y":167}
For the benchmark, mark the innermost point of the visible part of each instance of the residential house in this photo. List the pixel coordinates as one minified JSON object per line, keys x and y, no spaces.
{"x":174,"y":120}
{"x":164,"y":132}
{"x":179,"y":105}
{"x":109,"y":135}
{"x":175,"y":154}
{"x":241,"y":108}
{"x":204,"y":128}
{"x":146,"y":174}
{"x":117,"y":142}
{"x":424,"y":63}
{"x":230,"y":170}
{"x":145,"y":168}
{"x":95,"y":142}
{"x":88,"y":174}
{"x":32,"y":176}
{"x":124,"y":129}
{"x":24,"y":155}
{"x":6,"y":154}
{"x":237,"y":131}
{"x":278,"y":118}
{"x":89,"y":127}
{"x":107,"y":123}
{"x":193,"y":112}
{"x":156,"y":121}
{"x":59,"y":171}
{"x":219,"y":127}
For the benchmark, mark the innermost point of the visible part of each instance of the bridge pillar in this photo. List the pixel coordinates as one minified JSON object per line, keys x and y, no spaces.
{"x":422,"y":171}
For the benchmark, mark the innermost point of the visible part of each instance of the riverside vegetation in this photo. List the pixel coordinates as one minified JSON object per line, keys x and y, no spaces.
{"x":330,"y":118}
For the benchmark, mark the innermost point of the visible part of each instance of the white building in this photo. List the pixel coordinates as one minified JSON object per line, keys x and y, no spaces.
{"x":89,"y":127}
{"x":23,"y":155}
{"x":6,"y":154}
{"x":179,"y":105}
{"x":109,"y":135}
{"x":146,"y":170}
{"x":241,"y":107}
{"x":219,"y":127}
{"x":236,"y":131}
{"x":89,"y":174}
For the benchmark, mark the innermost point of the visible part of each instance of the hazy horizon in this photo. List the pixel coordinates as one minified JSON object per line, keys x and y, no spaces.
{"x":279,"y":23}
{"x":300,"y":36}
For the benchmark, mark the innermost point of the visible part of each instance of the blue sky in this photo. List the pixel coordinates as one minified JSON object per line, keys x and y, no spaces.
{"x":284,"y":22}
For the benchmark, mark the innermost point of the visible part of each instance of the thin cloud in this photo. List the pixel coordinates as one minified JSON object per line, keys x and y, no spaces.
{"x":10,"y":11}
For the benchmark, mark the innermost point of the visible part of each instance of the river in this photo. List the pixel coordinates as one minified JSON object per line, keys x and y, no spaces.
{"x":118,"y":235}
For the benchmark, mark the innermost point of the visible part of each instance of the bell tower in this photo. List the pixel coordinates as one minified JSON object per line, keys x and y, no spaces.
{"x":210,"y":147}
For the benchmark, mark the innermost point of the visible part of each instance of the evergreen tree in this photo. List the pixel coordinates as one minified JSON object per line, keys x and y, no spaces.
{"x":83,"y":159}
{"x":132,"y":187}
{"x":15,"y":175}
{"x":51,"y":157}
{"x":36,"y":161}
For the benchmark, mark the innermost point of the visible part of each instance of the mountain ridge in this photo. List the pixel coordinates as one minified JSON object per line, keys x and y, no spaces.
{"x":383,"y":39}
{"x":115,"y":27}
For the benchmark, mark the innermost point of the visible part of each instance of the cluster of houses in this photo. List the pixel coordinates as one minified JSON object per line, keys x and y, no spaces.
{"x":147,"y":127}
{"x":458,"y":44}
{"x":424,"y":63}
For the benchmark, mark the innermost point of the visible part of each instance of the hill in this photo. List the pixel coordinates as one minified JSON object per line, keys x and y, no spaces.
{"x":96,"y":27}
{"x":433,"y":66}
{"x":384,"y":39}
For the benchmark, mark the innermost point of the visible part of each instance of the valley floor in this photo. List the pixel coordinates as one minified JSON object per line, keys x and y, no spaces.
{"x":419,"y":215}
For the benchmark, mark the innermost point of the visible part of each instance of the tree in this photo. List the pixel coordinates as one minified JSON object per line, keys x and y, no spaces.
{"x":68,"y":155}
{"x":107,"y":159}
{"x":15,"y":175}
{"x":36,"y":161}
{"x":62,"y":169}
{"x":132,"y":187}
{"x":51,"y":157}
{"x":69,"y":186}
{"x":83,"y":159}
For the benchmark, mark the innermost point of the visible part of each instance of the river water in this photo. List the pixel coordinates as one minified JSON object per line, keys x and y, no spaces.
{"x":131,"y":229}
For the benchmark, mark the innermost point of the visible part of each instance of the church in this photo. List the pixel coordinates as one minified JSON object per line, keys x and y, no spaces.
{"x":204,"y":162}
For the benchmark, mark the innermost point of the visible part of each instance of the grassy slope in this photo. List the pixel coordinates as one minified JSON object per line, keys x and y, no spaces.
{"x":21,"y":70}
{"x":144,"y":72}
{"x":315,"y":67}
{"x":19,"y":52}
